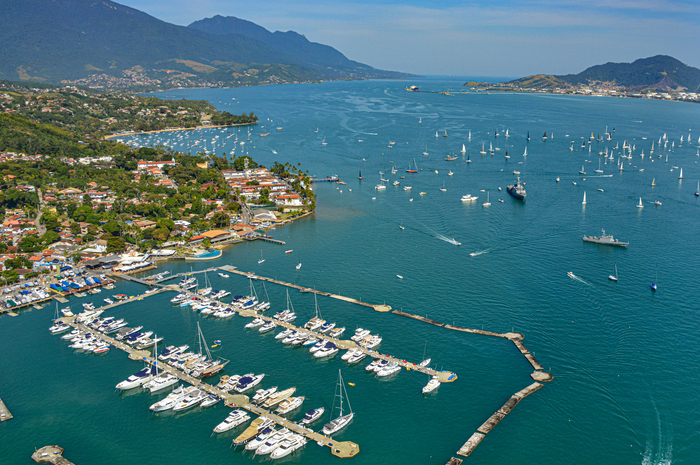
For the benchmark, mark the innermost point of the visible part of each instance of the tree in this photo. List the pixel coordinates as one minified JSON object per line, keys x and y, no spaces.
{"x":112,"y":227}
{"x":50,"y":237}
{"x":93,"y":229}
{"x":75,"y":229}
{"x":161,"y":234}
{"x":115,"y":244}
{"x":239,"y":163}
{"x":87,"y":200}
{"x":233,"y":206}
{"x":206,"y":242}
{"x":220,"y":219}
{"x":30,"y":243}
{"x":50,"y":221}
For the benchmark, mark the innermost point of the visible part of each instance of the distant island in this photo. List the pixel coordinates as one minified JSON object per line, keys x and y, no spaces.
{"x":657,"y":77}
{"x":106,"y":45}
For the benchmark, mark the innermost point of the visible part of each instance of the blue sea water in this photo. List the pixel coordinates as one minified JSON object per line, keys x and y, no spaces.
{"x":624,"y":358}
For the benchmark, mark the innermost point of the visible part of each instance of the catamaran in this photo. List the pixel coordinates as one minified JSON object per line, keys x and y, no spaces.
{"x":342,"y":420}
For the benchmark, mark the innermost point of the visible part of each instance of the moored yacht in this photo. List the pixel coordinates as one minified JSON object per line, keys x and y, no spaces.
{"x":191,"y":400}
{"x":248,"y":381}
{"x":312,"y":415}
{"x":292,"y":443}
{"x":235,"y":418}
{"x":137,"y":379}
{"x":432,"y":385}
{"x":290,"y":404}
{"x":273,"y":442}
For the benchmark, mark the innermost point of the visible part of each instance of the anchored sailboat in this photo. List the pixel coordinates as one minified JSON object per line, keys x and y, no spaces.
{"x":342,"y":420}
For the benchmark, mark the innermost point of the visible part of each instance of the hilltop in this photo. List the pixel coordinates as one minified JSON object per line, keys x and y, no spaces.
{"x":657,"y":73}
{"x":106,"y":44}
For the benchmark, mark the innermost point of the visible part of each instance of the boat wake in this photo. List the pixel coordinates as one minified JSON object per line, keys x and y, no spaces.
{"x":448,"y":239}
{"x":479,"y":252}
{"x":576,"y":278}
{"x":274,"y":152}
{"x":658,"y":451}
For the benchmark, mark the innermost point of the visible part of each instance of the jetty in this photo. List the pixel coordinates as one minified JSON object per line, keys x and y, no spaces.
{"x":4,"y":412}
{"x":50,"y":454}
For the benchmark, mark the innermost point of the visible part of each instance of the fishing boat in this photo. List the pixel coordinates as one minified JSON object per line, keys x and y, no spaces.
{"x":342,"y":420}
{"x":613,"y":278}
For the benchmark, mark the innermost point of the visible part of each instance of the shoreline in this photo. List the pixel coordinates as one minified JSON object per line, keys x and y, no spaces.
{"x":196,"y":128}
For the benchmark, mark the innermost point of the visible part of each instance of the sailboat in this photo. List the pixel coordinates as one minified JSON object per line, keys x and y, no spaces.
{"x":697,"y":191}
{"x":640,"y":205}
{"x":483,"y":152}
{"x":360,"y":177}
{"x":342,"y":420}
{"x":507,"y":135}
{"x":426,"y":361}
{"x":653,"y":182}
{"x":214,"y":366}
{"x":470,"y":136}
{"x":613,"y":278}
{"x":656,"y":278}
{"x":443,"y":187}
{"x":401,"y":225}
{"x":598,"y":170}
{"x":487,"y":203}
{"x":261,"y":258}
{"x":426,"y":151}
{"x":436,"y":134}
{"x":525,"y":152}
{"x":681,"y":175}
{"x":528,"y":135}
{"x":464,"y":149}
{"x":584,"y":198}
{"x":507,"y":156}
{"x":468,"y":160}
{"x":544,"y":137}
{"x":411,"y":170}
{"x":582,"y":170}
{"x":445,"y":135}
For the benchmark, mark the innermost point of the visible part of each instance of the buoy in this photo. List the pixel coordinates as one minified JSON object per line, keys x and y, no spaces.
{"x":351,"y":384}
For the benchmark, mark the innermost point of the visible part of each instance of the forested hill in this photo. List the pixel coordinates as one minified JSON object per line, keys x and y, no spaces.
{"x":659,"y":72}
{"x":56,"y":40}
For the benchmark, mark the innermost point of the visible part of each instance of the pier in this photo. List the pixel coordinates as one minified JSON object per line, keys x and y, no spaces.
{"x":4,"y":412}
{"x":539,"y":375}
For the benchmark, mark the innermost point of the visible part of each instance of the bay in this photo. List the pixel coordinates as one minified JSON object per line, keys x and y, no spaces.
{"x":622,"y":356}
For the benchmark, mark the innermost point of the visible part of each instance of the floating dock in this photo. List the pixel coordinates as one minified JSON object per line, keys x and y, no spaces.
{"x":4,"y":412}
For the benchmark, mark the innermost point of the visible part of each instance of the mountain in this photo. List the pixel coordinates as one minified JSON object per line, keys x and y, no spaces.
{"x":292,"y":44}
{"x":54,"y":40}
{"x":659,"y":72}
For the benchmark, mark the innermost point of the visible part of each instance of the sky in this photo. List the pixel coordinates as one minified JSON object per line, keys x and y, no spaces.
{"x":507,"y":38}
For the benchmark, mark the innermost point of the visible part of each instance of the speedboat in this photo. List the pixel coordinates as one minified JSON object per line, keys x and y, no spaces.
{"x":137,"y":379}
{"x":312,"y":415}
{"x":191,"y":400}
{"x":235,"y":418}
{"x":248,"y":381}
{"x":432,"y":385}
{"x":223,"y":275}
{"x":325,"y":327}
{"x":290,"y":404}
{"x":292,"y":443}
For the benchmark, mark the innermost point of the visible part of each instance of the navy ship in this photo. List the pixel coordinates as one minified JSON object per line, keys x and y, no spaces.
{"x":605,"y":239}
{"x":517,"y":190}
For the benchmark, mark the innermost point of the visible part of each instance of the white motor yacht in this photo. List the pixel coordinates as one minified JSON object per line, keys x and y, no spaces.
{"x":261,"y":438}
{"x":248,"y":381}
{"x":269,"y":326}
{"x":325,"y":327}
{"x":432,"y":385}
{"x":356,"y":357}
{"x":335,"y":333}
{"x":211,"y":400}
{"x":278,"y":397}
{"x":137,"y":379}
{"x":312,"y":415}
{"x":359,"y":334}
{"x":389,"y":369}
{"x":289,"y":404}
{"x":255,"y":323}
{"x":317,"y":346}
{"x":162,"y":381}
{"x":262,"y":394}
{"x":284,"y":334}
{"x":169,"y":401}
{"x":292,"y":443}
{"x":191,"y":400}
{"x":327,"y":350}
{"x":350,"y":353}
{"x":273,"y":442}
{"x":235,"y":418}
{"x":370,"y":342}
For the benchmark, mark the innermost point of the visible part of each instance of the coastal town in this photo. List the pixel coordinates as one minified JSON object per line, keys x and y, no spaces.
{"x":79,"y":199}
